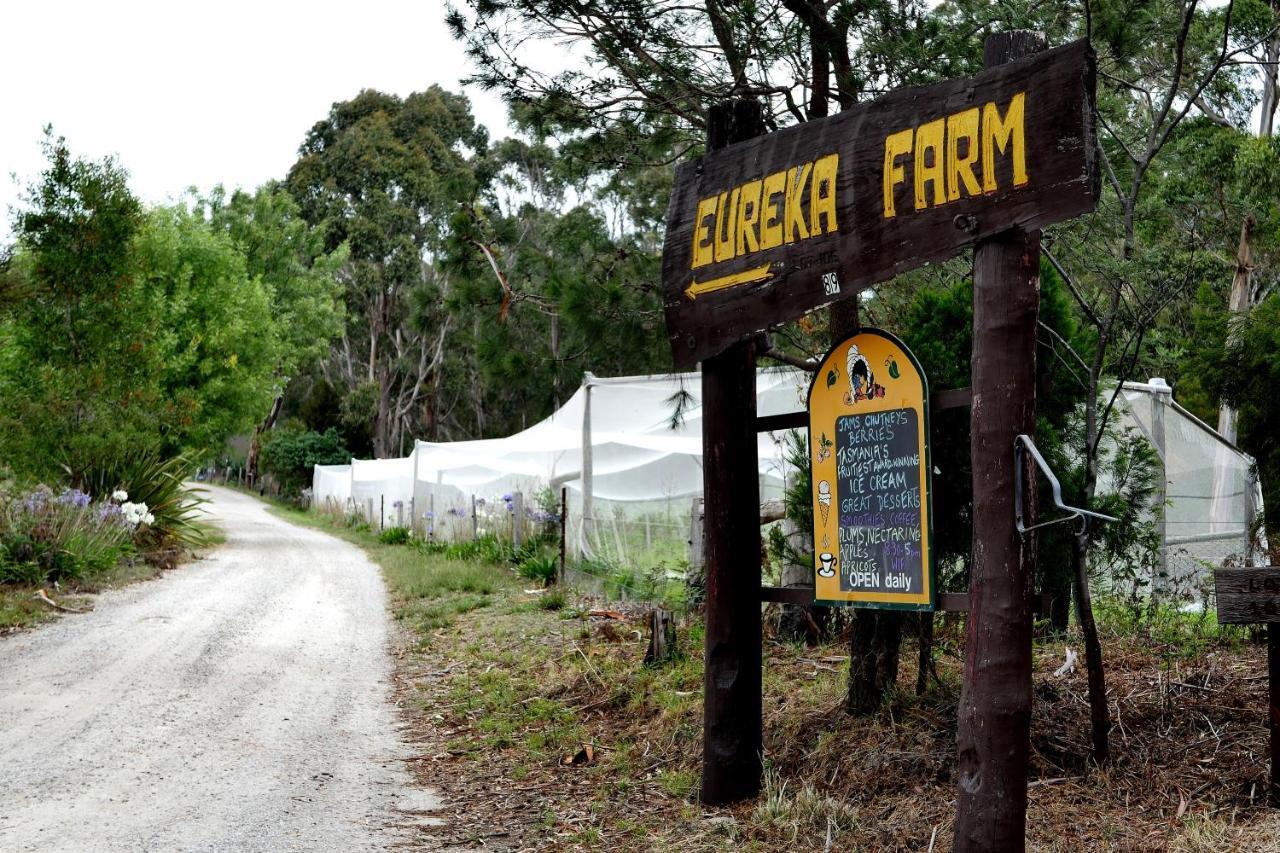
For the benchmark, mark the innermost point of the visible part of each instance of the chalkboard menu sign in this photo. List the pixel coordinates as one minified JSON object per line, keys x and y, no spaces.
{"x":868,"y":426}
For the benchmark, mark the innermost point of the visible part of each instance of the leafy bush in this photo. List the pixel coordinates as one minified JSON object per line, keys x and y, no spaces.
{"x":47,"y":537}
{"x":289,"y":455}
{"x":541,"y":568}
{"x":395,"y":536}
{"x":158,"y":483}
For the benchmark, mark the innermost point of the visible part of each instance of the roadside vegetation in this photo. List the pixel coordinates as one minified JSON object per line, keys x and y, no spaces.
{"x":535,"y":713}
{"x":125,"y":522}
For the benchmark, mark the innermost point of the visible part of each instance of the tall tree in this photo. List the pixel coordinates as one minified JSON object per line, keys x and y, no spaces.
{"x":288,"y":256}
{"x":386,"y":176}
{"x":77,"y":377}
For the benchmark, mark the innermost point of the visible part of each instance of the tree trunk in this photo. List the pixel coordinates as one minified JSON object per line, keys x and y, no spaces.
{"x":1270,"y":89}
{"x":1099,"y":712}
{"x":1239,"y":304}
{"x":255,"y":444}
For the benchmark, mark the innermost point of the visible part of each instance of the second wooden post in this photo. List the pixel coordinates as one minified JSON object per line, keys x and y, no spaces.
{"x":994,"y":724}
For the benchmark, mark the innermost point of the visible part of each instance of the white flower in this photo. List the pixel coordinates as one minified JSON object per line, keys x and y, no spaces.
{"x":137,"y":514}
{"x":119,"y":496}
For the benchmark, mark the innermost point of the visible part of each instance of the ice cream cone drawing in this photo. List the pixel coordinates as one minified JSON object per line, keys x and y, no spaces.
{"x":824,"y":500}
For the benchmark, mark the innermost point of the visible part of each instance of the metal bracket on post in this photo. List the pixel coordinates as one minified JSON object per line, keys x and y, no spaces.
{"x":1024,"y":443}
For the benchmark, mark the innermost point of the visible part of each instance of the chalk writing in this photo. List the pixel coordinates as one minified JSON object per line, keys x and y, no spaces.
{"x":878,"y":497}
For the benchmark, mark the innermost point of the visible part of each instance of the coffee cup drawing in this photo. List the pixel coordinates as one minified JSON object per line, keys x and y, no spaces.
{"x":828,"y":561}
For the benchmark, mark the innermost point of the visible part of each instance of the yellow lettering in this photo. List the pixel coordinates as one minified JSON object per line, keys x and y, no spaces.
{"x":725,"y":222}
{"x":895,"y":146}
{"x":960,"y":169}
{"x":1000,"y":134}
{"x":771,"y":221}
{"x":822,"y":196}
{"x":797,"y":177}
{"x":703,"y":253}
{"x":748,"y":217}
{"x":929,"y":140}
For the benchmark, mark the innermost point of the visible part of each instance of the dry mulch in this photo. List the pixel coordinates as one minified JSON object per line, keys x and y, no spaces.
{"x":1188,"y":768}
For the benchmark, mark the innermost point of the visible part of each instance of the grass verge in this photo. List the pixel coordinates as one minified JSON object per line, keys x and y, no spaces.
{"x":533,"y":713}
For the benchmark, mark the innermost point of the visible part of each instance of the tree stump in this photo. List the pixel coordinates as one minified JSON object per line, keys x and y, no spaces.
{"x":662,"y":637}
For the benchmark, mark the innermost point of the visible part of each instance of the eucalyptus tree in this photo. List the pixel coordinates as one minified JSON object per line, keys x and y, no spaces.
{"x":387,"y":176}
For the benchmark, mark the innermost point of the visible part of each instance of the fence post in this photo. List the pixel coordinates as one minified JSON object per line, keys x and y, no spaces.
{"x":475,"y":523}
{"x":369,"y":518}
{"x":413,"y":515}
{"x":431,"y":525}
{"x":695,"y":581}
{"x":382,"y":511}
{"x":564,"y":522}
{"x":517,"y":519}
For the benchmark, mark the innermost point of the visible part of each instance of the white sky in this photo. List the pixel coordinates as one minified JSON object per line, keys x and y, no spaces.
{"x":205,"y":93}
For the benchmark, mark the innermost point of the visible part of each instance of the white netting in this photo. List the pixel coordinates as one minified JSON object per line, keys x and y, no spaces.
{"x":381,"y":489}
{"x":331,"y":485}
{"x":1211,"y":492}
{"x":628,"y":450}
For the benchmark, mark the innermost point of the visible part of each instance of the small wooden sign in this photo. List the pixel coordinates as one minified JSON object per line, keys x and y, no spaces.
{"x":761,"y":232}
{"x":869,"y":462}
{"x":1248,"y":596}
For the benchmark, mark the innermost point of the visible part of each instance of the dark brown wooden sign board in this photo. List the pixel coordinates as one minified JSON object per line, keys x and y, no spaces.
{"x":763,"y":231}
{"x":1248,"y":596}
{"x":1252,"y":597}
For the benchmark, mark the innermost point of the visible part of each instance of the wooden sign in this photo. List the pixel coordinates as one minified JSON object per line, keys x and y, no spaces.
{"x":1248,"y":596}
{"x":761,"y":232}
{"x":869,"y":461}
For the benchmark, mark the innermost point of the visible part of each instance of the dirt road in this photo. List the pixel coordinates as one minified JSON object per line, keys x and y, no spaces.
{"x":240,"y":703}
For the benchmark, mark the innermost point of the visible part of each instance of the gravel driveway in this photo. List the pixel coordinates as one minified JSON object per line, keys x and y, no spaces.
{"x":240,"y":703}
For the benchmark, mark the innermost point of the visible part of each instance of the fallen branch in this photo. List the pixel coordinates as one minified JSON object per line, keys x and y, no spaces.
{"x":41,"y":595}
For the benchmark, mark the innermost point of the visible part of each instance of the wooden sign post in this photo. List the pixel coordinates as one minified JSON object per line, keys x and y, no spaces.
{"x":732,"y":701}
{"x":764,"y":228}
{"x":1252,"y":597}
{"x":869,"y":462}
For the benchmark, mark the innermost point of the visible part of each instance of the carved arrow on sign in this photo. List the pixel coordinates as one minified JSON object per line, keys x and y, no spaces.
{"x":697,"y":288}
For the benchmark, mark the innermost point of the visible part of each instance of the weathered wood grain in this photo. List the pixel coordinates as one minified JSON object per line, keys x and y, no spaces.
{"x":868,"y":247}
{"x":1248,"y":596}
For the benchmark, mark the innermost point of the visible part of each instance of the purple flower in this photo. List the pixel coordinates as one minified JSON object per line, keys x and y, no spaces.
{"x":397,"y":504}
{"x":74,"y":497}
{"x":37,"y":500}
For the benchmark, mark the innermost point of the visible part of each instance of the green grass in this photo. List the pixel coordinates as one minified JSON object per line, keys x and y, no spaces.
{"x":19,"y":609}
{"x":428,"y":590}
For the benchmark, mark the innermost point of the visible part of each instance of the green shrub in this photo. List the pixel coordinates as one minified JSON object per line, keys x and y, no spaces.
{"x":160,"y":484}
{"x":395,"y":536}
{"x":289,"y":455}
{"x":541,"y":568}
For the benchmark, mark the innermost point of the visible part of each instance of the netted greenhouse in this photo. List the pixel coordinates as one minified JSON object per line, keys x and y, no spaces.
{"x":625,"y":453}
{"x":1207,"y":495}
